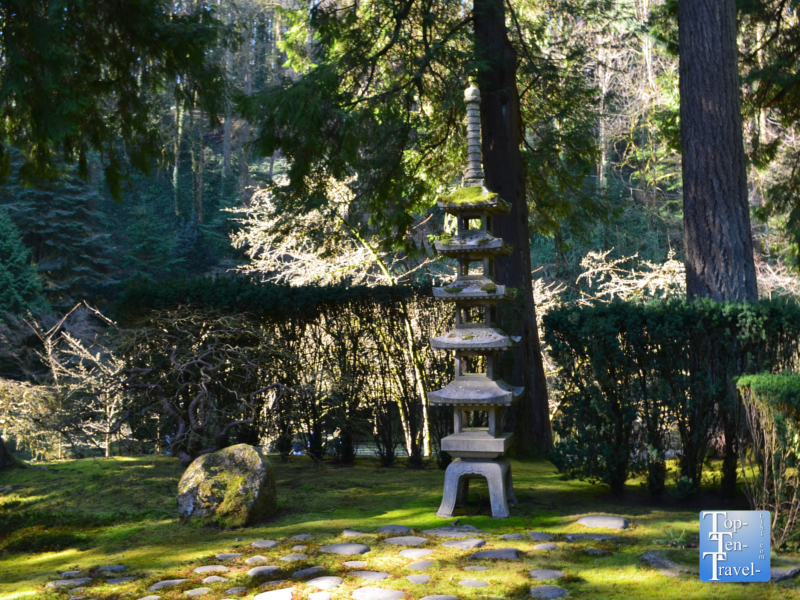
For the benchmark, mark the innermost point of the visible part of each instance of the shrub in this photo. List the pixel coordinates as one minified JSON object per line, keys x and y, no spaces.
{"x":769,"y":464}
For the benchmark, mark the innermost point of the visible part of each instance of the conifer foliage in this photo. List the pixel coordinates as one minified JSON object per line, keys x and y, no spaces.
{"x":20,"y":289}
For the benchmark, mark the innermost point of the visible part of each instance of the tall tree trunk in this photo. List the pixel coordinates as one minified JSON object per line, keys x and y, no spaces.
{"x":176,"y":192}
{"x":201,"y":165}
{"x":501,"y":127}
{"x":716,"y":221}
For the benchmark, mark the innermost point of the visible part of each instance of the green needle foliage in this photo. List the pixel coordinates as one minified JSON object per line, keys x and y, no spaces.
{"x":20,"y":290}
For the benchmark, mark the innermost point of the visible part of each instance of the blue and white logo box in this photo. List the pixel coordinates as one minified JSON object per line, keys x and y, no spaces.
{"x":734,"y":545}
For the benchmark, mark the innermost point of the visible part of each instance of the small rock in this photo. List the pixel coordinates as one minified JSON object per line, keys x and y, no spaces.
{"x":545,"y":574}
{"x":371,"y":593}
{"x":781,"y":573}
{"x":420,"y":579}
{"x":284,"y":594}
{"x":228,"y":556}
{"x":369,"y":575}
{"x":262,"y":571}
{"x":112,"y":569}
{"x":197,"y":592}
{"x":320,"y":596}
{"x":71,"y":574}
{"x":325,"y":583}
{"x":415,"y":552}
{"x":352,"y":533}
{"x":293,"y":557}
{"x":307,"y":572}
{"x":215,"y":579}
{"x":167,"y":583}
{"x":150,"y":598}
{"x":264,"y":544}
{"x":236,"y":591}
{"x":665,"y":565}
{"x":539,"y":536}
{"x":211,"y":569}
{"x":345,"y":549}
{"x":439,"y":597}
{"x":406,"y":540}
{"x":298,"y":548}
{"x":546,"y":547}
{"x":476,"y":568}
{"x":238,"y":540}
{"x":548,"y":592}
{"x":301,"y":536}
{"x":604,"y":521}
{"x":69,"y":582}
{"x":472,"y":583}
{"x":460,"y":531}
{"x":499,"y":554}
{"x":596,"y":551}
{"x":511,"y":536}
{"x":394,"y":529}
{"x":421,"y":565}
{"x":120,"y":580}
{"x":355,"y":564}
{"x":256,"y":560}
{"x":465,"y":544}
{"x":597,"y":537}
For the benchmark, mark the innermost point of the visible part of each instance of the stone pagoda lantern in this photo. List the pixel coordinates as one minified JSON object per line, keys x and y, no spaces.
{"x":478,"y":452}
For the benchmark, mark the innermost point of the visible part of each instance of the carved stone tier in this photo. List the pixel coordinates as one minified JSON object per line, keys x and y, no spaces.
{"x":478,"y":443}
{"x":477,"y":338}
{"x":488,"y":203}
{"x":474,"y":287}
{"x":478,"y":390}
{"x":474,"y":244}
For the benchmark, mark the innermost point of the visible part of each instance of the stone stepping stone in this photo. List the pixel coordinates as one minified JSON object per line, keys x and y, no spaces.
{"x":150,"y":598}
{"x":120,"y":580}
{"x":264,"y":544}
{"x":284,"y":594}
{"x":256,"y":560}
{"x":369,"y":575}
{"x":211,"y":569}
{"x":465,"y":544}
{"x":263,"y":571}
{"x":307,"y":572}
{"x":167,"y":583}
{"x":236,"y":591}
{"x":476,"y":568}
{"x":548,"y":592}
{"x":394,"y":529}
{"x":604,"y":521}
{"x":197,"y":592}
{"x":499,"y":554}
{"x":352,"y":533}
{"x":320,"y":596}
{"x":453,"y":531}
{"x":597,"y":537}
{"x":511,"y":536}
{"x":215,"y":579}
{"x":293,"y":557}
{"x":325,"y":583}
{"x":372,"y":593}
{"x":355,"y":564}
{"x":298,"y":548}
{"x":71,"y":574}
{"x":346,"y":549}
{"x":301,"y":536}
{"x":421,"y":565}
{"x":539,"y":536}
{"x":112,"y":569}
{"x":546,"y":574}
{"x":472,"y":583}
{"x":420,"y":579}
{"x":439,"y":597}
{"x":406,"y":540}
{"x":228,"y":555}
{"x":415,"y":553}
{"x":596,"y":551}
{"x":69,"y":582}
{"x":546,"y":547}
{"x":672,"y":569}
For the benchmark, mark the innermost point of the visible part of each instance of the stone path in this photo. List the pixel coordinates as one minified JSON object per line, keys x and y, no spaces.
{"x":215,"y":579}
{"x":476,"y":568}
{"x":415,"y":553}
{"x":419,"y":579}
{"x":235,"y":591}
{"x":325,"y":583}
{"x":454,"y":531}
{"x":197,"y":592}
{"x":352,"y":533}
{"x":539,"y":536}
{"x":546,"y":547}
{"x":299,"y":548}
{"x":301,"y":536}
{"x":499,"y":554}
{"x":666,"y":566}
{"x":264,"y":544}
{"x":293,"y":557}
{"x":355,"y":564}
{"x":407,"y":540}
{"x":345,"y":549}
{"x":211,"y":569}
{"x":511,"y":536}
{"x":112,"y":569}
{"x":472,"y":583}
{"x":548,"y":592}
{"x":228,"y":556}
{"x":120,"y":580}
{"x":369,"y":575}
{"x":546,"y":574}
{"x":263,"y":571}
{"x":320,"y":596}
{"x":421,"y":565}
{"x":465,"y":544}
{"x":439,"y":597}
{"x":604,"y":521}
{"x":69,"y":582}
{"x":371,"y":593}
{"x":597,"y":537}
{"x":394,"y":529}
{"x":284,"y":594}
{"x":307,"y":572}
{"x":167,"y":583}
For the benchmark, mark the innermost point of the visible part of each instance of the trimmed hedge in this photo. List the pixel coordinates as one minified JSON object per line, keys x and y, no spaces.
{"x":629,"y":372}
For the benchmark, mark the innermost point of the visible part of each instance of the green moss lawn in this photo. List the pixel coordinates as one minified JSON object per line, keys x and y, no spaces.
{"x":88,"y":513}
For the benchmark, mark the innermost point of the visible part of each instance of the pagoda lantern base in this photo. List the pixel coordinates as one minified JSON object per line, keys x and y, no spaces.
{"x":497,"y":473}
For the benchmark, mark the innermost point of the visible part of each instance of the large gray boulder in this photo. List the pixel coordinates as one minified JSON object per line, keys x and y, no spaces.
{"x":232,"y":487}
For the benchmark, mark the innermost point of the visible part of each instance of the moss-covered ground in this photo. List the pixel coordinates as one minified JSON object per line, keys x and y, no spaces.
{"x":88,"y":513}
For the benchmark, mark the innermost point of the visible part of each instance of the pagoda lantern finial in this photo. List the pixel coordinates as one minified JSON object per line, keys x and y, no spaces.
{"x":473,"y":175}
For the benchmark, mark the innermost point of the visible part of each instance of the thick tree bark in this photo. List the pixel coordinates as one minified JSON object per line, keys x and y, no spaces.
{"x":717,"y":238}
{"x":6,"y":458}
{"x":504,"y":172}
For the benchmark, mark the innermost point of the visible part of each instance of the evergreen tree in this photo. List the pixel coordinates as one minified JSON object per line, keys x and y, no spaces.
{"x":20,"y":290}
{"x":192,"y":248}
